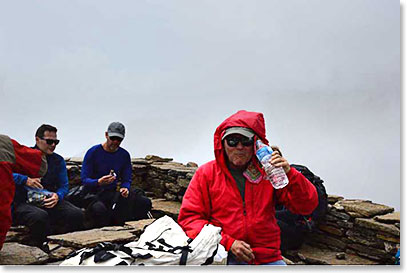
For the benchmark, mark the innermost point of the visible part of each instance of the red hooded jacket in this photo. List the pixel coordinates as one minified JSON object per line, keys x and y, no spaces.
{"x":213,"y":197}
{"x":15,"y":158}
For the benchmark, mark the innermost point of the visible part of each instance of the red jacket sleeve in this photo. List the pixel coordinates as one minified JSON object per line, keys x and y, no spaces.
{"x":300,"y":195}
{"x":195,"y":210}
{"x":28,"y":161}
{"x":195,"y":207}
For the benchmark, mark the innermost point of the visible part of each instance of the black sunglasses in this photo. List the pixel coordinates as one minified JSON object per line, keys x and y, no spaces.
{"x":116,"y":138}
{"x":50,"y":141}
{"x":234,"y":141}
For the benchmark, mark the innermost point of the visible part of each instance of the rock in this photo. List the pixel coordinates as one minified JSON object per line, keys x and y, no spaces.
{"x":138,"y":168}
{"x":365,"y":208}
{"x":324,"y":256}
{"x":192,"y":164}
{"x":287,"y":261}
{"x":356,"y":215}
{"x":372,"y":224}
{"x":340,"y":215}
{"x":137,"y":227}
{"x":170,"y":197}
{"x":390,"y":218}
{"x":162,"y":207}
{"x":364,"y":239}
{"x":183,"y":182}
{"x":302,"y":257}
{"x":341,"y":256}
{"x":17,"y":236}
{"x":90,"y":238}
{"x":332,"y":199}
{"x":397,"y":225}
{"x":388,"y":238}
{"x":338,"y":207}
{"x":327,"y":241}
{"x":189,"y":175}
{"x":76,"y":160}
{"x":172,"y":187}
{"x":371,"y":253}
{"x":340,"y":223}
{"x":331,"y":230}
{"x":139,"y":161}
{"x":59,"y":252}
{"x":17,"y":254}
{"x":157,"y":158}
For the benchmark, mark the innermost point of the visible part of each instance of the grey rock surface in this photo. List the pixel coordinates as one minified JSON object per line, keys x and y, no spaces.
{"x":17,"y":254}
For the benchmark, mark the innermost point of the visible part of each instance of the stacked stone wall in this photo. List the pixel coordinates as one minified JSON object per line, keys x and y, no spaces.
{"x":359,"y":227}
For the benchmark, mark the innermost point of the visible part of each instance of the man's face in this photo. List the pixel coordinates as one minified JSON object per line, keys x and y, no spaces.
{"x":113,"y":143}
{"x":43,"y":145}
{"x":240,"y":155}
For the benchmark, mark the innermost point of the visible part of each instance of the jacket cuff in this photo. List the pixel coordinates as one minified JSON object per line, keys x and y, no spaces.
{"x":227,"y":242}
{"x":125,"y":185}
{"x":292,"y":174}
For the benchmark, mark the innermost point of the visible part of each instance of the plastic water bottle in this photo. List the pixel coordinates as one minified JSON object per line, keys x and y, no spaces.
{"x":277,"y":176}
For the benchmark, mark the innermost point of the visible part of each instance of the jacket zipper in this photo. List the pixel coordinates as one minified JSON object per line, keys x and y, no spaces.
{"x":244,"y":212}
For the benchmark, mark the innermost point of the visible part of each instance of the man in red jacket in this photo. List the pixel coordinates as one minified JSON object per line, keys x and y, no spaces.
{"x":15,"y":158}
{"x":232,"y":193}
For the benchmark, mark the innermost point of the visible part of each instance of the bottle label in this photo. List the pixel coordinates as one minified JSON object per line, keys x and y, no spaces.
{"x":264,"y":151}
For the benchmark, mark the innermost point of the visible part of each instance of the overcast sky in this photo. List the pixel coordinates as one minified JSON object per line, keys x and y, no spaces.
{"x":326,"y":75}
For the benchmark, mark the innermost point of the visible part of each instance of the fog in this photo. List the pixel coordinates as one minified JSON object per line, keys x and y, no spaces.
{"x":326,"y":75}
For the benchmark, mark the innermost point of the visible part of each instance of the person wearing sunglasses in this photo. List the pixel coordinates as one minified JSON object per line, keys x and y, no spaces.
{"x":55,"y":214}
{"x":231,"y":192}
{"x":106,"y":173}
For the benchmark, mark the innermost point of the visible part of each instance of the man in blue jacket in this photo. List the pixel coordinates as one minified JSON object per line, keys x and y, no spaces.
{"x":106,"y":172}
{"x":53,"y":214}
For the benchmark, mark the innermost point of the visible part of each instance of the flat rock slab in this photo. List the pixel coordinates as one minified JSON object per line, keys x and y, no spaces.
{"x":372,"y":224}
{"x":332,"y":199}
{"x":90,"y":238}
{"x":162,"y":207}
{"x":59,"y":252}
{"x":17,"y":254}
{"x":315,"y":255}
{"x":390,"y":218}
{"x":138,"y":226}
{"x":16,"y":236}
{"x":364,"y":208}
{"x":74,"y":159}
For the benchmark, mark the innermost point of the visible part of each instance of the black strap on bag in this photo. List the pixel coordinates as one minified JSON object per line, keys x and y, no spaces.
{"x":184,"y":255}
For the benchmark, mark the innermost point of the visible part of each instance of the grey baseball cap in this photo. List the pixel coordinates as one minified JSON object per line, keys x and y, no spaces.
{"x":239,"y":130}
{"x":116,"y":129}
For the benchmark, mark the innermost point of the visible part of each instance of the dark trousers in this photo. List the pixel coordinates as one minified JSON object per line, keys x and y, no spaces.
{"x":62,"y":218}
{"x":101,"y":212}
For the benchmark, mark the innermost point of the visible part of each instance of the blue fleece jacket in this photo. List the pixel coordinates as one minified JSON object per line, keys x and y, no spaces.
{"x":98,"y":163}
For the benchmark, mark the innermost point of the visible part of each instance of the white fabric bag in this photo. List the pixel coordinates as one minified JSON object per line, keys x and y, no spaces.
{"x":163,"y":242}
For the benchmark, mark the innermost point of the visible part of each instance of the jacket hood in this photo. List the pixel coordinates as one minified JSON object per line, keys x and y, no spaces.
{"x":251,"y":120}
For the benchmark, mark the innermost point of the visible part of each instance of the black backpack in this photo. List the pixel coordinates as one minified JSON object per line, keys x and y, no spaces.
{"x":294,"y":226}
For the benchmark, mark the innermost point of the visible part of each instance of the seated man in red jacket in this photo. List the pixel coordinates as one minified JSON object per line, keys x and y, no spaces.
{"x":15,"y":158}
{"x":232,"y":193}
